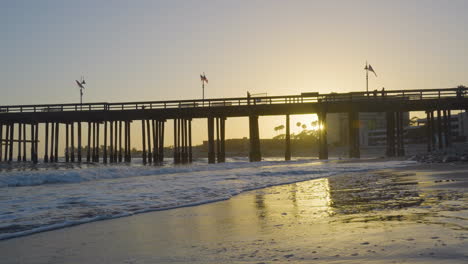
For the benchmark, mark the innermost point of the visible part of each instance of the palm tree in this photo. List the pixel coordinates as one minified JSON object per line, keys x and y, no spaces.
{"x":281,"y":128}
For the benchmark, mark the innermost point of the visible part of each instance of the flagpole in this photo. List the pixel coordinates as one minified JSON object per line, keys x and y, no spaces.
{"x":367,"y":81}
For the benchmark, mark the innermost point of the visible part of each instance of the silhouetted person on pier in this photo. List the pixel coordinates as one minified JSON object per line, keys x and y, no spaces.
{"x":248,"y":98}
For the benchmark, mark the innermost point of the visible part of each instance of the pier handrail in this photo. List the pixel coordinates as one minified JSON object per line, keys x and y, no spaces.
{"x":307,"y":97}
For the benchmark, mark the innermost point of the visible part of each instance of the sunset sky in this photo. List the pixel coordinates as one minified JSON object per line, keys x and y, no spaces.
{"x":155,"y":50}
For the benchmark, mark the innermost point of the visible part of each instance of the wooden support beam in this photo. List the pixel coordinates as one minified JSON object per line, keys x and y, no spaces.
{"x":46,"y":143}
{"x":445,"y":128}
{"x":143,"y":140}
{"x":161,"y":141}
{"x":7,"y":131}
{"x":36,"y":143}
{"x":104,"y":154}
{"x":93,"y":142}
{"x":148,"y":135}
{"x":154,"y":125}
{"x":129,"y":142}
{"x":111,"y":142}
{"x":428,"y":131}
{"x":66,"y":142}
{"x":449,"y":128}
{"x":10,"y":149}
{"x":19,"y":141}
{"x":255,"y":153}
{"x":353,"y":119}
{"x":400,"y":134}
{"x":88,"y":152}
{"x":24,"y":145}
{"x":97,"y":141}
{"x":116,"y":147}
{"x":223,"y":139}
{"x":190,"y":155}
{"x":439,"y":129}
{"x":120,"y":141}
{"x":32,"y":142}
{"x":390,"y":118}
{"x":72,"y":137}
{"x":79,"y":142}
{"x":287,"y":152}
{"x":211,"y":147}
{"x":218,"y":139}
{"x":1,"y":140}
{"x":433,"y":138}
{"x":323,"y":143}
{"x":184,"y":141}
{"x":52,"y":142}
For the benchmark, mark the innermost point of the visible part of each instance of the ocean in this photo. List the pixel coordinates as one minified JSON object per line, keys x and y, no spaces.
{"x":36,"y":198}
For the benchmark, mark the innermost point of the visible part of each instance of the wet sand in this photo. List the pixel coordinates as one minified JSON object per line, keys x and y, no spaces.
{"x":417,"y":214}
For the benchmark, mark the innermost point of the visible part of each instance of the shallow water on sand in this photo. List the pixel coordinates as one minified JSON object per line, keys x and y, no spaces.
{"x":49,"y":196}
{"x":361,"y":217}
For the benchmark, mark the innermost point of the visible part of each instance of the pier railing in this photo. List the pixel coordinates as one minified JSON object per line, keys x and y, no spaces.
{"x":311,"y":97}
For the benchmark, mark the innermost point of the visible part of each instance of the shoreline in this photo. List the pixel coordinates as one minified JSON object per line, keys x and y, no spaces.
{"x":67,"y":224}
{"x":290,"y":214}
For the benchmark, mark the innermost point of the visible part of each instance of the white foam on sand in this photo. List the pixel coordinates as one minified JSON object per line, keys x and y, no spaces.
{"x":39,"y":200}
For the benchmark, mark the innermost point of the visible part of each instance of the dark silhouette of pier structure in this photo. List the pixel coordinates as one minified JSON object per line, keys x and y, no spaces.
{"x":19,"y":124}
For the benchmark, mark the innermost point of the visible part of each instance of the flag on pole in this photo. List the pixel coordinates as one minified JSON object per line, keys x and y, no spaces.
{"x":369,"y":68}
{"x":203,"y":78}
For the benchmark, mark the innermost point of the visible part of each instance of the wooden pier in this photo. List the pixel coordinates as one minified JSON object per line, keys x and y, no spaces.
{"x":20,"y":124}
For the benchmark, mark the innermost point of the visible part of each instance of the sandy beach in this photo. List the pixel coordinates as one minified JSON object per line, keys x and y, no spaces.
{"x":416,"y":214}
